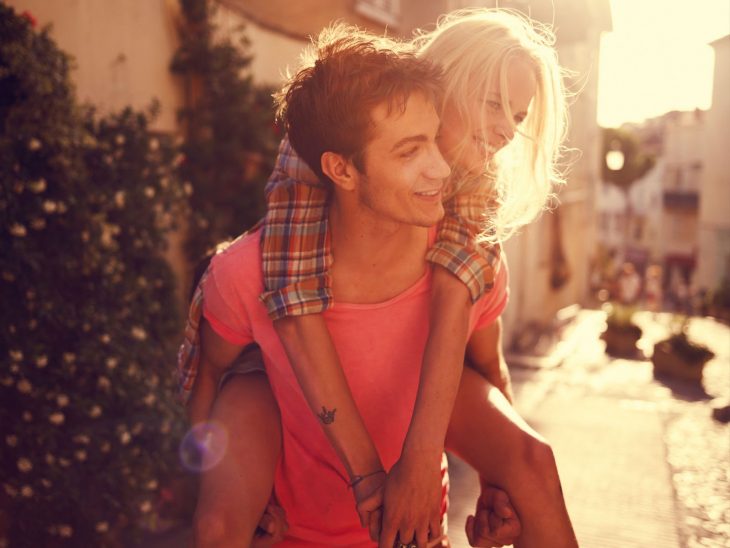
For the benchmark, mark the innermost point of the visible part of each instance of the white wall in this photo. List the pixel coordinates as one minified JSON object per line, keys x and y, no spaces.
{"x":122,"y":50}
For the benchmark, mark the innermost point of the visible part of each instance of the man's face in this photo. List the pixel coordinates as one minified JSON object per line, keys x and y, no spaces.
{"x":404,"y":172}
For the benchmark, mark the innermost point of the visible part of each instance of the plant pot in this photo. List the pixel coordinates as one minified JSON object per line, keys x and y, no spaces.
{"x":669,"y":361}
{"x":621,"y":341}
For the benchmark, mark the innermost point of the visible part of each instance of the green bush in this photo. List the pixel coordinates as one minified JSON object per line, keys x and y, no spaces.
{"x":88,"y":316}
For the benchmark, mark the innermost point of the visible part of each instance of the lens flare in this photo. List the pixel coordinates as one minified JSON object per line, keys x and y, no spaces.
{"x":203,"y":446}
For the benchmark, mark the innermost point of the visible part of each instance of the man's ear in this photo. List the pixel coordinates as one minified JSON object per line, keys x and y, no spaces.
{"x":341,"y":171}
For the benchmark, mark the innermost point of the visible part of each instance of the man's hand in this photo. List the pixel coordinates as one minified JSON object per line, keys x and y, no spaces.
{"x":412,"y":502}
{"x":495,"y":523}
{"x":272,"y":526}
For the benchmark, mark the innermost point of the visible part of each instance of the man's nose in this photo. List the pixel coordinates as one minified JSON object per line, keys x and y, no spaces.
{"x":438,"y":168}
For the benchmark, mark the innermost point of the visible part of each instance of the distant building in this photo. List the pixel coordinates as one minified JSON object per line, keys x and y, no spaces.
{"x":714,"y":209}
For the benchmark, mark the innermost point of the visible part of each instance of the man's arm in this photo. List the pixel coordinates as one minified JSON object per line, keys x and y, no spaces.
{"x":216,"y":355}
{"x":484,"y":355}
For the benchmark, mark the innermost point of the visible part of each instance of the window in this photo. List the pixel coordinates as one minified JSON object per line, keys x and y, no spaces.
{"x":386,"y":12}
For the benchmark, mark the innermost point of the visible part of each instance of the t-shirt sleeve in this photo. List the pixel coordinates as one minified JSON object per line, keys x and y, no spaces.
{"x":492,"y":304}
{"x":223,"y":307}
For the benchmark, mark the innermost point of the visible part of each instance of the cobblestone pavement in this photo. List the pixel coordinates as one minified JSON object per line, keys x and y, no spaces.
{"x":642,"y":461}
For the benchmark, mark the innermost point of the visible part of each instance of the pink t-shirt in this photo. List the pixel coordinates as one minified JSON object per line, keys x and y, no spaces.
{"x":381,"y":349}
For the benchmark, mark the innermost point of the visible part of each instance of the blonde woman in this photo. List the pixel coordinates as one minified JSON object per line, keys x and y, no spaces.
{"x":502,"y":122}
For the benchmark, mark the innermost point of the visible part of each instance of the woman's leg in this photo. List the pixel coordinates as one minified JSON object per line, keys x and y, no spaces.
{"x":234,"y":494}
{"x":487,"y":433}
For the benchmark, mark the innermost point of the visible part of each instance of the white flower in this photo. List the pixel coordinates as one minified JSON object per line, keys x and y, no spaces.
{"x":24,"y":464}
{"x":154,"y":144}
{"x":27,"y":416}
{"x":34,"y":144}
{"x":46,"y":483}
{"x":41,"y":361}
{"x":11,"y":440}
{"x":80,"y":455}
{"x":139,"y":333}
{"x":57,"y":418}
{"x":62,"y":400}
{"x":16,"y":355}
{"x":119,"y":139}
{"x":62,"y":207}
{"x":10,"y":490}
{"x":18,"y":230}
{"x":145,"y":507}
{"x":151,"y":485}
{"x":49,"y":206}
{"x":64,"y":462}
{"x":102,"y":527}
{"x":36,"y":187}
{"x":105,"y":338}
{"x":7,"y":381}
{"x":120,"y":198}
{"x":105,"y":447}
{"x":104,"y":383}
{"x":95,"y":411}
{"x":50,"y":459}
{"x":69,"y":357}
{"x":187,"y":188}
{"x":27,"y":491}
{"x":38,"y":223}
{"x":149,"y":192}
{"x":24,"y":387}
{"x":15,"y":368}
{"x":125,"y":438}
{"x":150,"y":399}
{"x":112,"y":363}
{"x":65,"y":531}
{"x":82,"y":438}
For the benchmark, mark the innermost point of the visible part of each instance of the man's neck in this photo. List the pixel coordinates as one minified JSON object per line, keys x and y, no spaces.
{"x":374,"y":259}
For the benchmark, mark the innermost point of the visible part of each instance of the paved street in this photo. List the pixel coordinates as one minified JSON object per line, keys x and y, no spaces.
{"x":642,"y":462}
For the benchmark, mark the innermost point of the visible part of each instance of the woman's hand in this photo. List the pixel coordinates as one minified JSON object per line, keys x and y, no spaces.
{"x":495,"y":522}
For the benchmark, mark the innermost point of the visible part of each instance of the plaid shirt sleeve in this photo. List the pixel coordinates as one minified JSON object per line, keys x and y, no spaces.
{"x":295,"y":246}
{"x":456,"y":248}
{"x":188,"y":356}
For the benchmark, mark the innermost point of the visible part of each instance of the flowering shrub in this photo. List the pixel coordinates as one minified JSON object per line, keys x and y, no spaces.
{"x":230,"y":140}
{"x":88,"y":314}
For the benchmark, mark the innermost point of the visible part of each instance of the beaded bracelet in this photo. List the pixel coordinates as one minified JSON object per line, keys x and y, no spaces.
{"x":357,"y":479}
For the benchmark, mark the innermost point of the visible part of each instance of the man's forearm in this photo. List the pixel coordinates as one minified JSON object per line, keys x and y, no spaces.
{"x":316,"y":365}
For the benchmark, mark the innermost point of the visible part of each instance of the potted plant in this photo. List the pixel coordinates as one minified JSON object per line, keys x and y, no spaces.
{"x":621,"y":333}
{"x":679,"y":357}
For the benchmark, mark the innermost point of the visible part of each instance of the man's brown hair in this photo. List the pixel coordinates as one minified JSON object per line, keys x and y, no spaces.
{"x":327,"y":104}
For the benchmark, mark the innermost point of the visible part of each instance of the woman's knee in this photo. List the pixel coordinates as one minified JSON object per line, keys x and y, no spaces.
{"x":212,"y":527}
{"x":536,"y":459}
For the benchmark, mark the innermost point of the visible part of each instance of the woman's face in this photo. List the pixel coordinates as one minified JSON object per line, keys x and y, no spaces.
{"x":495,"y":130}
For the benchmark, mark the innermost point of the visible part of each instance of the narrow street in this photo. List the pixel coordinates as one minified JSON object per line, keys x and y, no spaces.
{"x":642,"y":461}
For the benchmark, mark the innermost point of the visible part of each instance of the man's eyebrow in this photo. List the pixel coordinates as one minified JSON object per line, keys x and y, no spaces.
{"x":409,"y":139}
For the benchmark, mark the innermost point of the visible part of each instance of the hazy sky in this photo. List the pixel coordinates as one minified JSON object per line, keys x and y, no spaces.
{"x":657,"y":58}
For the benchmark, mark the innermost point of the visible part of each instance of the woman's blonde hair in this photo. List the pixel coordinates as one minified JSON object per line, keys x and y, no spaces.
{"x":474,"y":46}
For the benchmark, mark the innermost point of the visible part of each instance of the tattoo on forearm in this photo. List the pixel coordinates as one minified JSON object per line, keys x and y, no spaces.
{"x":327,"y":417}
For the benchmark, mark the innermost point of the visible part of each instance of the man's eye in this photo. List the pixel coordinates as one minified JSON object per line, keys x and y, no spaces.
{"x":519,"y":120}
{"x":409,"y":152}
{"x":494,"y":105}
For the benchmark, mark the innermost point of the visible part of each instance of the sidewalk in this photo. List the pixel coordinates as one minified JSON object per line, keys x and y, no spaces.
{"x":642,"y":464}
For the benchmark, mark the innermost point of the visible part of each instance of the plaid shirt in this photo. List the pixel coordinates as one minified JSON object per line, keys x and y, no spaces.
{"x":296,"y":253}
{"x":296,"y":248}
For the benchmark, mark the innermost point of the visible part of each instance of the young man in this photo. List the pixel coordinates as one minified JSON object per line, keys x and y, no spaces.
{"x":380,"y":155}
